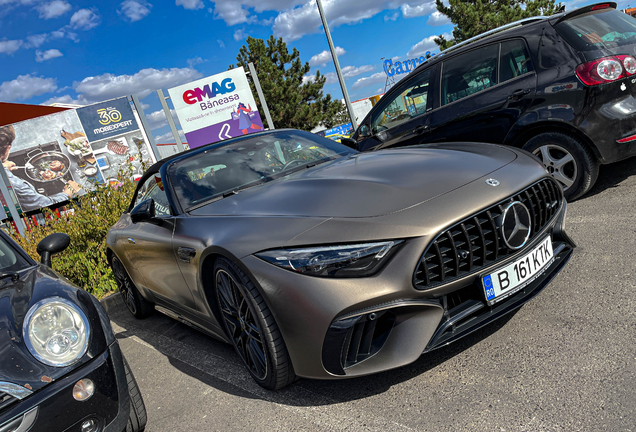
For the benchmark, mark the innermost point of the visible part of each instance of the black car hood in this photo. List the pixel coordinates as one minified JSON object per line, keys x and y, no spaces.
{"x":17,"y":365}
{"x":367,"y":184}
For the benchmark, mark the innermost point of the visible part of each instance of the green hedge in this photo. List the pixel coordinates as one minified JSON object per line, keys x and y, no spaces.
{"x":85,"y":262}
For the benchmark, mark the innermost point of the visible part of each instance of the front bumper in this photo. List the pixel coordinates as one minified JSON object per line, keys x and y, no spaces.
{"x":53,"y":408}
{"x":388,"y":322}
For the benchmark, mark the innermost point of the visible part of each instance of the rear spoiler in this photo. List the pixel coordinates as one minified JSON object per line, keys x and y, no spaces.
{"x":583,"y":10}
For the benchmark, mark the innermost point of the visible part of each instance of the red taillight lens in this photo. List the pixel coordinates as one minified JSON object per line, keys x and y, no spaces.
{"x":600,"y":6}
{"x":606,"y":69}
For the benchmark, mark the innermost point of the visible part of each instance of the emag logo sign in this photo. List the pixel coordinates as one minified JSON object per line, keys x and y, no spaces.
{"x":193,"y":96}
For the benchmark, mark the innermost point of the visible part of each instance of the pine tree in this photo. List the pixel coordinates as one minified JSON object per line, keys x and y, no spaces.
{"x":293,"y":102}
{"x":473,"y":17}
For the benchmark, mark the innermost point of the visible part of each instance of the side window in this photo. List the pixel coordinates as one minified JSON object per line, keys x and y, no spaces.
{"x":152,"y":188}
{"x":514,"y":60}
{"x":408,"y":102}
{"x":469,"y":73}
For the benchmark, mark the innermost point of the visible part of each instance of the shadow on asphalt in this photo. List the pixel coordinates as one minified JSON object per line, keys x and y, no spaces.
{"x":610,"y":176}
{"x":316,"y":392}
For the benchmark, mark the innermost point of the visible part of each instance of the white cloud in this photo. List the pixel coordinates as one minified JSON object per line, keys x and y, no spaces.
{"x":438,"y":19}
{"x":221,"y":43}
{"x":157,"y":119}
{"x":240,"y":34}
{"x":376,"y":78}
{"x":232,"y":13}
{"x":144,"y":82}
{"x":41,"y":56}
{"x":195,"y":61}
{"x":25,"y":87}
{"x":426,"y":44}
{"x":190,"y":4}
{"x":418,"y":10}
{"x":10,"y":46}
{"x":135,"y":10}
{"x":322,"y":58}
{"x":351,"y":71}
{"x":332,"y":78}
{"x":35,"y":41}
{"x":309,"y":78}
{"x":169,"y":138}
{"x":66,"y":99}
{"x":53,"y":9}
{"x":84,"y":19}
{"x":392,"y":17}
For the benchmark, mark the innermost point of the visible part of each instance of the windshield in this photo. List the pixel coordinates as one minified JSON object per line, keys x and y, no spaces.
{"x":10,"y":259}
{"x":599,"y":29}
{"x":248,"y":162}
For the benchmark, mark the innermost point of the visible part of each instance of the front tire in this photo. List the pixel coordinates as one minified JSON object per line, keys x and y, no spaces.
{"x":251,"y":328}
{"x":138,"y":416}
{"x":134,"y":301}
{"x":568,"y":160}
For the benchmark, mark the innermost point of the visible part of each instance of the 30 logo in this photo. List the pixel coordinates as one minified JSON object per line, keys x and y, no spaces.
{"x":193,"y":96}
{"x":108,"y":115}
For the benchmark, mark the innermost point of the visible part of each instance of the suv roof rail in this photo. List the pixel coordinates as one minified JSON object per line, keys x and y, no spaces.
{"x":489,"y":33}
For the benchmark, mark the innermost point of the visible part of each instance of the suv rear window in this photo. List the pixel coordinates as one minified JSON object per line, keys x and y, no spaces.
{"x":599,"y":29}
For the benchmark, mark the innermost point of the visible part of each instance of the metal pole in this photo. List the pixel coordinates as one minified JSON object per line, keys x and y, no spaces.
{"x":173,"y":128}
{"x":259,"y":90}
{"x":144,"y":124}
{"x":8,"y":197}
{"x":335,"y":62}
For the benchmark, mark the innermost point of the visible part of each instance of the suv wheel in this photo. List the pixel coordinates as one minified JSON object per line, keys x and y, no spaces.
{"x":569,"y":162}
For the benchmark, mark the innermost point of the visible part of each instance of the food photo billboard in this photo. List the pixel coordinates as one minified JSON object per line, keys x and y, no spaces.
{"x":48,"y":159}
{"x":215,"y":108}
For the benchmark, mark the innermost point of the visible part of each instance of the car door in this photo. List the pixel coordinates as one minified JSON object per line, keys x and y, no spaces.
{"x":483,"y":92}
{"x":148,"y":246}
{"x":400,"y":118}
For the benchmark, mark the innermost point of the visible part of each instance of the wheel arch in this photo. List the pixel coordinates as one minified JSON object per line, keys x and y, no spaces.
{"x":517,"y":138}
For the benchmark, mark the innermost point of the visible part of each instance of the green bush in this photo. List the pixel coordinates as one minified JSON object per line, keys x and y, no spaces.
{"x":85,"y":262}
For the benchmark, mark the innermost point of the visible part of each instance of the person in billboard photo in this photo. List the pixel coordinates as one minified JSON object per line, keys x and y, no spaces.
{"x":245,"y":122}
{"x":27,"y":194}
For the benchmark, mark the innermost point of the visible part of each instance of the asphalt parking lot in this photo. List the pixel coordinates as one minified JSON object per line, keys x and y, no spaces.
{"x":566,"y":361}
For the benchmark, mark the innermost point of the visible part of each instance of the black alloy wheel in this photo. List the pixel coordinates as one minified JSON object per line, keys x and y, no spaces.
{"x":251,"y":328}
{"x":136,"y":304}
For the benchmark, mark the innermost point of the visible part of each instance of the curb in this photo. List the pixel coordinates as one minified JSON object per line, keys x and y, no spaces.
{"x":112,"y":302}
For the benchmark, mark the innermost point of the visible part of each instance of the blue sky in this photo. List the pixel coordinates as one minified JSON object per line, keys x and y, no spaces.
{"x":79,"y":51}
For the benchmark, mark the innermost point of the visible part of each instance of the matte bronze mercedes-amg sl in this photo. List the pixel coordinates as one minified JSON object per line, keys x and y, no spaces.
{"x":315,"y":260}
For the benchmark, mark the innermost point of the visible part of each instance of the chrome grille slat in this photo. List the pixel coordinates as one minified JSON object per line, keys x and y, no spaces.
{"x":480,"y":237}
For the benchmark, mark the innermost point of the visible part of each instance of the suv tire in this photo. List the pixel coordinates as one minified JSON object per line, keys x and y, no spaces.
{"x":568,"y":160}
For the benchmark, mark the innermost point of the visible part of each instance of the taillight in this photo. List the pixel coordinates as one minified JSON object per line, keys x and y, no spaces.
{"x":600,"y":6}
{"x":606,"y":69}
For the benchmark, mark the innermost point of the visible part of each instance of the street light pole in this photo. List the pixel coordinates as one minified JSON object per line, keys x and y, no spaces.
{"x":337,"y":64}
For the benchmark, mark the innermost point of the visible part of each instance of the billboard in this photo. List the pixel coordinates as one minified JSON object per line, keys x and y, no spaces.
{"x":107,"y":119}
{"x":216,"y":108}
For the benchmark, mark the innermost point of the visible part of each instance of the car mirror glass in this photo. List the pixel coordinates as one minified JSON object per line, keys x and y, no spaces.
{"x":144,"y":211}
{"x":364,"y":131}
{"x":51,"y":245}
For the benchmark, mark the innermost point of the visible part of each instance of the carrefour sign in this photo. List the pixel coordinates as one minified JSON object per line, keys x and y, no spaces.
{"x":399,"y":68}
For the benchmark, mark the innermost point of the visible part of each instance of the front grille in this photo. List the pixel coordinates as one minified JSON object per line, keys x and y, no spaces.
{"x":476,"y":242}
{"x":6,"y":400}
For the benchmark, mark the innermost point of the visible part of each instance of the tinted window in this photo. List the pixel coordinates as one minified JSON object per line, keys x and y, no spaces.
{"x":469,"y":73}
{"x":206,"y":176}
{"x":600,"y":29}
{"x":152,"y":188}
{"x":407,"y":102}
{"x":11,"y":260}
{"x":514,"y":60}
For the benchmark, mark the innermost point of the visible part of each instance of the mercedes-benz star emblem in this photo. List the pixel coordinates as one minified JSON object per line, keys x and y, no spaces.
{"x":515,"y":225}
{"x":492,"y":182}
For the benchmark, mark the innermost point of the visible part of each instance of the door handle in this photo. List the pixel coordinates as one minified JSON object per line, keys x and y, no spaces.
{"x":186,"y":254}
{"x":420,"y":129}
{"x":131,"y":240}
{"x":518,"y":94}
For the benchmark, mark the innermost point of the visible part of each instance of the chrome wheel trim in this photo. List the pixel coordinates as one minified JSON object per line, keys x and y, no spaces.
{"x":241,"y":325}
{"x":559,"y":162}
{"x":124,"y":285}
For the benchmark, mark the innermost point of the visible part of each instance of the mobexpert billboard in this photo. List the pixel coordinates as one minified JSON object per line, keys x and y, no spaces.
{"x":216,"y":108}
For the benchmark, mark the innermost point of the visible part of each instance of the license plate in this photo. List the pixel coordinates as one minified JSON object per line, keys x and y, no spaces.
{"x":516,"y":275}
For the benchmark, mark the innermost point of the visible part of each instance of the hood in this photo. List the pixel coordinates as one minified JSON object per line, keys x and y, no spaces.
{"x":367,"y":184}
{"x":17,"y":365}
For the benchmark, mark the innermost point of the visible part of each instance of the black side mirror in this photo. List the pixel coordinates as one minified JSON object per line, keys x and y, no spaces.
{"x":364,"y":131}
{"x":144,"y":211}
{"x":349,"y":142}
{"x":50,"y":245}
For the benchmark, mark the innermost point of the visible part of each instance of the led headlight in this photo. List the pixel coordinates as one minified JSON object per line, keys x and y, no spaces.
{"x":56,"y":332}
{"x":356,"y":260}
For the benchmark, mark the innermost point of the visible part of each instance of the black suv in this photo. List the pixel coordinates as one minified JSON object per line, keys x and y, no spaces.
{"x":561,"y":87}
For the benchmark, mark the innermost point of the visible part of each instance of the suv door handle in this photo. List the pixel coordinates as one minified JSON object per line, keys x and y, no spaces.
{"x":131,"y":240}
{"x":518,"y":94}
{"x":420,"y":129}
